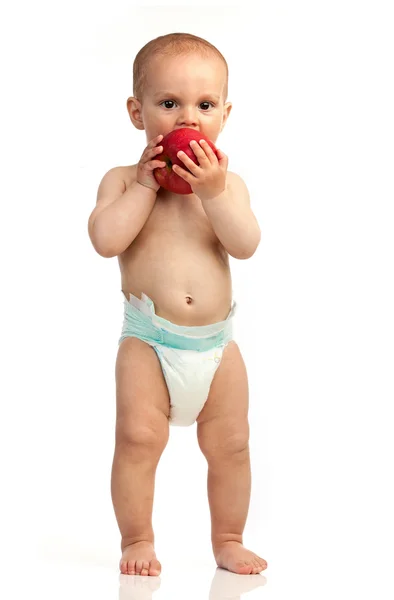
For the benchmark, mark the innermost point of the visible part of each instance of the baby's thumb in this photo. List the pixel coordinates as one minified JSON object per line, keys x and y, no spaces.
{"x":222,"y":158}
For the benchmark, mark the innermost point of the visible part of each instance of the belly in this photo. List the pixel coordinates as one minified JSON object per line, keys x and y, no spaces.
{"x":189,"y":283}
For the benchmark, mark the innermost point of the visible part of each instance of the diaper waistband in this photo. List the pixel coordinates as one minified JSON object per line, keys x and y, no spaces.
{"x":146,"y":307}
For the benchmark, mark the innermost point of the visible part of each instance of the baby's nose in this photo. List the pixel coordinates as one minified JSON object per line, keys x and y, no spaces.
{"x":188,"y":117}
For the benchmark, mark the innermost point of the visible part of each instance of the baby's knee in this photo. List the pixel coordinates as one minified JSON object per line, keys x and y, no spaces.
{"x":219,"y":441}
{"x":145,"y":436}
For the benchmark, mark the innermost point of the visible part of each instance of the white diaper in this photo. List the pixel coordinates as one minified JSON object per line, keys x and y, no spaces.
{"x":188,"y":374}
{"x":189,"y":356}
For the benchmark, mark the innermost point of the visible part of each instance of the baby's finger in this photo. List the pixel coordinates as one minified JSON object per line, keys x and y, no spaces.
{"x":154,"y":164}
{"x":155,"y":141}
{"x":222,"y":158}
{"x":149,"y":154}
{"x":155,"y":150}
{"x":198,"y":150}
{"x":189,"y":163}
{"x":208,"y":151}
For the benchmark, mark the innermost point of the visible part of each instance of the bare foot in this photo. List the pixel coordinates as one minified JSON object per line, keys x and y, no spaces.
{"x":234,"y":557}
{"x":139,"y":559}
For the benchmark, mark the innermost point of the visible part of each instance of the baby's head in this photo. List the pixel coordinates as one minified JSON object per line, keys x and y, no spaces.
{"x":179,"y":80}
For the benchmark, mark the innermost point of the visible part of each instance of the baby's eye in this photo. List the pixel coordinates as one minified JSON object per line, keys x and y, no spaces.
{"x":170,"y":104}
{"x":166,"y":102}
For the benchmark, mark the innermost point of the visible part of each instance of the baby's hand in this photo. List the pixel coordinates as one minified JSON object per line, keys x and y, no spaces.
{"x":147,"y":164}
{"x":208,"y":178}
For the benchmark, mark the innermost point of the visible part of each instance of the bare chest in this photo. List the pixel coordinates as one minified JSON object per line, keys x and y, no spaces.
{"x":178,"y":261}
{"x":180,"y":220}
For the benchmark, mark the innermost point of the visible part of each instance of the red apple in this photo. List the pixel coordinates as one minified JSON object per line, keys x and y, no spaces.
{"x":173,"y":142}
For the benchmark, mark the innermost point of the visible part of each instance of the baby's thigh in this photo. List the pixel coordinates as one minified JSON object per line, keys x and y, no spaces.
{"x":222,"y":425}
{"x":142,"y":399}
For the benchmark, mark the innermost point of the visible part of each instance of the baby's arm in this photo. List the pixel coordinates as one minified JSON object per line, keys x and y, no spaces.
{"x":224,"y":197}
{"x":232,"y":218}
{"x":119,"y":214}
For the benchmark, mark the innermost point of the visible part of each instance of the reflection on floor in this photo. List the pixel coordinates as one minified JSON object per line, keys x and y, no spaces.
{"x":225,"y":585}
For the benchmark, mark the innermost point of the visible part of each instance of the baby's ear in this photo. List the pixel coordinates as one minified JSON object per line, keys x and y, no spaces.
{"x":134,"y":110}
{"x":226,"y":112}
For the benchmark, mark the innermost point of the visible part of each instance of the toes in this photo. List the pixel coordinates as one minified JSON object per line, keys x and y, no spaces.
{"x":244,"y":568}
{"x":263,"y":563}
{"x":256,"y":567}
{"x":155,"y":568}
{"x":252,"y":567}
{"x":123,"y":567}
{"x":138,"y":567}
{"x":145,"y":568}
{"x":130,"y":567}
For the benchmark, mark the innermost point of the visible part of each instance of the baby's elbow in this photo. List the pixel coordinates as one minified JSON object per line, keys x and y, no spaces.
{"x":249,"y":251}
{"x":102,"y":250}
{"x":244,"y":255}
{"x":97,"y":243}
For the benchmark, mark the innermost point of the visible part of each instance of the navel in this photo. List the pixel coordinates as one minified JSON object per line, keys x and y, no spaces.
{"x":189,"y":299}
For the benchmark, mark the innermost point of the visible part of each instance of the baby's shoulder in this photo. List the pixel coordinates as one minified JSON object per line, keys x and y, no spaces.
{"x":236,"y":182}
{"x":127,"y":173}
{"x":232,"y":176}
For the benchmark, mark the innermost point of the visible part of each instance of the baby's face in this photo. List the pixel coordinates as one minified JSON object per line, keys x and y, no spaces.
{"x":185,"y":91}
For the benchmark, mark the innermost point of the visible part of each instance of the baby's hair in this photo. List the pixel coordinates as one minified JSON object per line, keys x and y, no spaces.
{"x":172,"y":44}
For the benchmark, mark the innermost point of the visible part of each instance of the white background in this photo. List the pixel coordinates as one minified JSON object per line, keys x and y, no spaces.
{"x":311,"y":133}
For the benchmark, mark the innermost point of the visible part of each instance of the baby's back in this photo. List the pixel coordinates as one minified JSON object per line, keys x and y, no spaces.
{"x":178,"y":261}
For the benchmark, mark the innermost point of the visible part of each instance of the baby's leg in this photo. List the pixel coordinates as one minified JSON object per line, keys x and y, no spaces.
{"x":142,"y":432}
{"x":223,"y":436}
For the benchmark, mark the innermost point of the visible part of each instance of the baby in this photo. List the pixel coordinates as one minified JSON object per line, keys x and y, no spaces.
{"x":177,"y":362}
